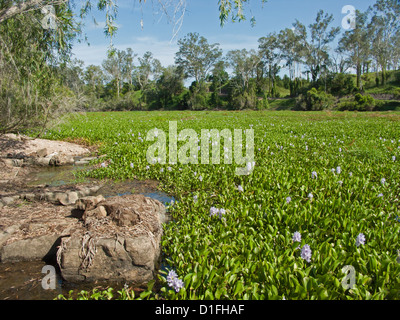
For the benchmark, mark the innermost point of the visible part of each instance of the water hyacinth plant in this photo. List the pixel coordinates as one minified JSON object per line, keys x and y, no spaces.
{"x":251,"y":254}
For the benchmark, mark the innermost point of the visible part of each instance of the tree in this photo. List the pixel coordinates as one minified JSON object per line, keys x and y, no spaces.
{"x":118,"y":66}
{"x":30,"y":56}
{"x":384,"y":28}
{"x":316,"y":50}
{"x":290,"y":48}
{"x":94,"y":78}
{"x":271,"y":57}
{"x":148,"y":67}
{"x":196,"y":56}
{"x":356,"y":45}
{"x":169,"y":85}
{"x":128,"y":66}
{"x":244,"y":64}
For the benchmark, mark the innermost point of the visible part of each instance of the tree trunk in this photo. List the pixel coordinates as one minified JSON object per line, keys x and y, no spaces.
{"x":359,"y":82}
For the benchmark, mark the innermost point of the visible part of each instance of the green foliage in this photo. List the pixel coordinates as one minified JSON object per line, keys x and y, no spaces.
{"x":341,"y":84}
{"x":249,"y":254}
{"x":314,"y":100}
{"x":358,"y":103}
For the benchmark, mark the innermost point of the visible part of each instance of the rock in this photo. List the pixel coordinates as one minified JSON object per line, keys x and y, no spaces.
{"x":30,"y":249}
{"x":54,"y":159}
{"x":41,"y":153}
{"x":63,"y":160}
{"x":88,"y":159}
{"x":120,"y":241}
{"x":125,"y":210}
{"x":9,"y":200}
{"x":28,"y":196}
{"x":14,"y":162}
{"x":89,"y":203}
{"x":71,"y":198}
{"x":97,"y":213}
{"x":7,"y":233}
{"x":41,"y":161}
{"x":114,"y":260}
{"x":81,"y":163}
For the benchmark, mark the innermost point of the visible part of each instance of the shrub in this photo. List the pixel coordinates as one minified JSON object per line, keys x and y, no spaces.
{"x":358,"y":103}
{"x":314,"y":100}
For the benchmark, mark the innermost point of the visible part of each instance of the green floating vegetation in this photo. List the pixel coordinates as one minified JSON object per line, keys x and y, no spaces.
{"x":324,"y":194}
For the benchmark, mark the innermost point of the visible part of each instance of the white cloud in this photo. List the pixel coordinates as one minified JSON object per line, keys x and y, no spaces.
{"x":162,"y":50}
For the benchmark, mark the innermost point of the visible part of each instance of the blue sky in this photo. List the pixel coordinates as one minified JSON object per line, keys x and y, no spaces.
{"x":201,"y":16}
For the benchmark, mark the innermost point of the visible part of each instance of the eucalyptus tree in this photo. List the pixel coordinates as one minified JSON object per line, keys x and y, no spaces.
{"x":128,"y":66}
{"x":290,"y":48}
{"x":30,"y":56}
{"x":315,"y":42}
{"x":197,"y":57}
{"x":384,"y":28}
{"x":116,"y":66}
{"x":355,"y":44}
{"x":244,"y":64}
{"x":148,"y":68}
{"x":94,"y":78}
{"x":271,"y":57}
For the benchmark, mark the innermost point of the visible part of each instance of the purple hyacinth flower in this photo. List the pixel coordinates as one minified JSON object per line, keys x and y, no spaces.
{"x":306,"y":253}
{"x":360,"y":239}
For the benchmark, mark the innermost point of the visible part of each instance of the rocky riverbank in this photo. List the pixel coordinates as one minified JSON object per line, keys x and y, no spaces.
{"x":73,"y":226}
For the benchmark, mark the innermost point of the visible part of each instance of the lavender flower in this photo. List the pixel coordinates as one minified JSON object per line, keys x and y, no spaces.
{"x":338,"y":170}
{"x":296,"y":237}
{"x":131,"y":165}
{"x":178,"y":285}
{"x":383,"y":180}
{"x":394,"y":158}
{"x":360,"y":239}
{"x":217,"y":212}
{"x":172,"y":276}
{"x":213,"y":211}
{"x":380,"y":195}
{"x":240,"y":188}
{"x":310,"y":196}
{"x":314,"y":174}
{"x":306,"y":253}
{"x":174,"y":282}
{"x":195,"y":198}
{"x":288,"y":199}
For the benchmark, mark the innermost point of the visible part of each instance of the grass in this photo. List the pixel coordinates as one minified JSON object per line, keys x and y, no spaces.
{"x":249,"y":252}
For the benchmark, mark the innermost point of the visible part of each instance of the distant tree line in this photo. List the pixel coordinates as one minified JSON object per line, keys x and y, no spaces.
{"x":39,"y":80}
{"x":247,"y":78}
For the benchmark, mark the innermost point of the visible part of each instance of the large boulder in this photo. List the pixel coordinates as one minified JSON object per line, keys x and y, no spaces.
{"x":119,"y":241}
